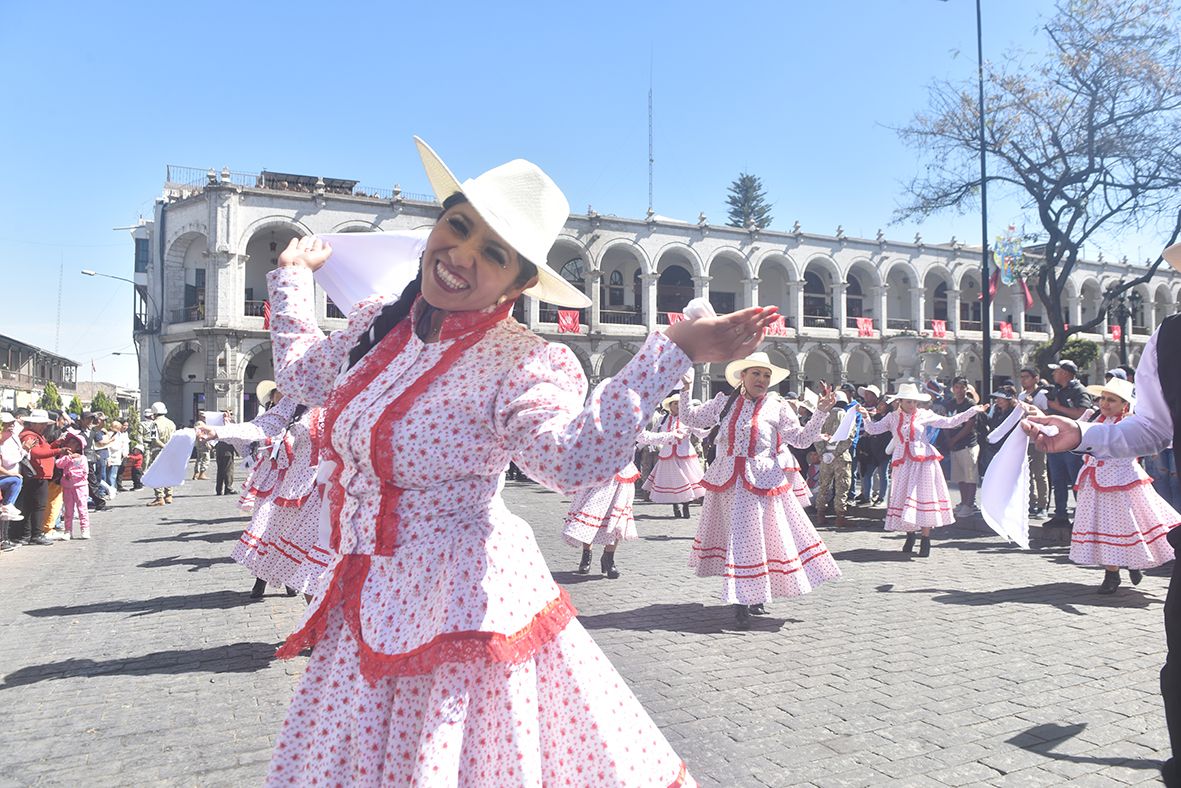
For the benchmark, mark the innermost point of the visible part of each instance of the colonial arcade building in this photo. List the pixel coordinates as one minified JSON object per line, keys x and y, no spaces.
{"x":861,"y":310}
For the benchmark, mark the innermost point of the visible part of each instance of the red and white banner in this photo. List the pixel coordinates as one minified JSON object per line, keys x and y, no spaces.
{"x":675,"y":317}
{"x":939,"y":328}
{"x":865,"y":326}
{"x":266,"y":315}
{"x":1006,"y":330}
{"x":778,"y":328}
{"x":1116,"y":332}
{"x":568,"y":321}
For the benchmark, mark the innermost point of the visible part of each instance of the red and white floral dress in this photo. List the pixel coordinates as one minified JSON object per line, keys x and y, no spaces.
{"x":676,"y":477}
{"x":753,"y":531}
{"x":603,"y":514}
{"x":918,"y":495}
{"x":1119,"y":519}
{"x":281,"y":544}
{"x":445,"y":654}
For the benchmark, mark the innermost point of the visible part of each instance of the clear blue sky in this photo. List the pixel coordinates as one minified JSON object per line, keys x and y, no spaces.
{"x":99,"y":98}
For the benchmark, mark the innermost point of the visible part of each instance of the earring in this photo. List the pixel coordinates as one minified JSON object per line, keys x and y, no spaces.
{"x":501,"y":300}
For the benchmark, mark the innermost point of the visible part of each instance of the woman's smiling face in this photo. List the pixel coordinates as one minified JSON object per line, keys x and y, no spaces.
{"x":466,"y":266}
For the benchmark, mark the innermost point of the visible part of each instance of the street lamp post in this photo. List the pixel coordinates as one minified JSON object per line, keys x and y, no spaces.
{"x":156,"y":314}
{"x":1122,"y":313}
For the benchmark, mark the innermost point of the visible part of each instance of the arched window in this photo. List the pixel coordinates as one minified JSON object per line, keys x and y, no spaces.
{"x":574,"y":272}
{"x":615,"y":289}
{"x":815,"y":296}
{"x":674,"y":289}
{"x":854,"y":297}
{"x":939,"y":302}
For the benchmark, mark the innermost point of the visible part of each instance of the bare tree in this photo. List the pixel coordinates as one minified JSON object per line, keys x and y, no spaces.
{"x":1089,"y":136}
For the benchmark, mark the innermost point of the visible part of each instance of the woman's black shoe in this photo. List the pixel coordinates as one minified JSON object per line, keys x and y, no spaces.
{"x":1110,"y":582}
{"x":607,"y":564}
{"x":925,"y":547}
{"x":291,"y":591}
{"x":757,"y":610}
{"x":908,"y":545}
{"x":677,"y":510}
{"x":741,"y":617}
{"x":260,"y":588}
{"x":585,"y":563}
{"x":1136,"y":576}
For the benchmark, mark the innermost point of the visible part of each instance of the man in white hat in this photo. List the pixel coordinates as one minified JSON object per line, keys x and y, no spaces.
{"x":164,"y":427}
{"x":1155,"y":424}
{"x":225,"y":456}
{"x":834,"y":465}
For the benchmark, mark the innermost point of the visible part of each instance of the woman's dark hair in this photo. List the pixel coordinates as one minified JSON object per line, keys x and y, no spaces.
{"x":393,"y":314}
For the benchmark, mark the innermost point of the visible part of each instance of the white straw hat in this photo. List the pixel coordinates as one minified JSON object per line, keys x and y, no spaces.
{"x":1172,"y":256}
{"x":670,"y":400}
{"x":1120,"y":388}
{"x":911,"y":392}
{"x":523,"y":206}
{"x":262,"y":391}
{"x":758,"y":359}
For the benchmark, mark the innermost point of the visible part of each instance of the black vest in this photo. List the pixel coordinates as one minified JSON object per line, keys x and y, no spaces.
{"x":1168,"y":368}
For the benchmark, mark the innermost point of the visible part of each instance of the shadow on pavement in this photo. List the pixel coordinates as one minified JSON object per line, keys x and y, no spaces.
{"x":1067,"y":597}
{"x":195,"y":564}
{"x":681,"y":617}
{"x":219,"y":600}
{"x":1042,"y":739}
{"x":190,"y":536}
{"x":667,"y":538}
{"x":243,"y":517}
{"x":864,"y":555}
{"x":232,"y":658}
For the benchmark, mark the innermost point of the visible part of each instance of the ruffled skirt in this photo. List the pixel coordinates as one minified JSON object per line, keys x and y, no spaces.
{"x":280,"y":544}
{"x":762,"y":546}
{"x":602,"y":515}
{"x":918,"y":497}
{"x":563,"y":716}
{"x":675,"y":480}
{"x":1123,"y":528}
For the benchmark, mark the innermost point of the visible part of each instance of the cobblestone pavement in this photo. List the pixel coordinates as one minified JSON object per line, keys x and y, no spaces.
{"x":136,"y":658}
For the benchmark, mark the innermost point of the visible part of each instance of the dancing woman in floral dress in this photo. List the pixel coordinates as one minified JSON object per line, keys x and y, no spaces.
{"x":444,"y":651}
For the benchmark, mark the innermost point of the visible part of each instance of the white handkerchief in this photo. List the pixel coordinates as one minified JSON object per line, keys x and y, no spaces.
{"x":698,"y":308}
{"x":169,"y":467}
{"x":213,"y":418}
{"x":847,"y":422}
{"x":323,"y":476}
{"x":367,"y":264}
{"x":1004,"y":492}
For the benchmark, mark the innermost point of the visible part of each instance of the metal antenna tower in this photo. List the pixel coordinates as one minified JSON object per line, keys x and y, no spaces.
{"x":651,"y":156}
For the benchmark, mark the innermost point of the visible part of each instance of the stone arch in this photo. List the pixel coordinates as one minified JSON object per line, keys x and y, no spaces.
{"x":820,"y":362}
{"x":727,"y":271}
{"x":185,"y":272}
{"x":862,"y":289}
{"x":1006,"y":365}
{"x":179,"y":392}
{"x":261,"y":246}
{"x":356,"y":226}
{"x":622,"y":301}
{"x":774,"y":258}
{"x":626,"y":246}
{"x":1090,"y":294}
{"x":776,"y":273}
{"x":677,"y":253}
{"x":970,"y":364}
{"x":820,"y":276}
{"x":863,"y":365}
{"x":732,"y":254}
{"x":938,"y":284}
{"x":584,"y":359}
{"x":277,"y":222}
{"x":901,"y":279}
{"x":613,"y":358}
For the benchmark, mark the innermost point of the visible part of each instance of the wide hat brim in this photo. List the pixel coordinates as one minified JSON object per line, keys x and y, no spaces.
{"x":670,"y":400}
{"x":734,"y":370}
{"x":1172,"y":256}
{"x":263,"y":390}
{"x":1116,"y":387}
{"x":535,"y":195}
{"x":911,"y":392}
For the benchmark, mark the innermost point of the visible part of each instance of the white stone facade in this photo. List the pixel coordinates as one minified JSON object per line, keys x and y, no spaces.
{"x":212,"y":241}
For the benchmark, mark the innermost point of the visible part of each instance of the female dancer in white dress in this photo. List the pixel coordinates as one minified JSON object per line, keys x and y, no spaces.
{"x":280,"y":546}
{"x":753,"y":531}
{"x":918,"y":499}
{"x":676,"y":477}
{"x":444,"y":651}
{"x":1120,"y":520}
{"x":603,"y":515}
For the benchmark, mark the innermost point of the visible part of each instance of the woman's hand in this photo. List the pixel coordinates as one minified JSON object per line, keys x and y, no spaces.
{"x":309,"y":252}
{"x":206,"y":433}
{"x":827,"y":400}
{"x":1068,"y":437}
{"x":712,"y":339}
{"x":983,"y":407}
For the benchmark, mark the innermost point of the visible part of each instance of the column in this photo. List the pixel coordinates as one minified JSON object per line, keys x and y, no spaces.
{"x":1018,"y":313}
{"x":953,"y":311}
{"x":795,"y":297}
{"x":649,"y":310}
{"x":532,"y":313}
{"x":596,"y":290}
{"x":1074,"y":308}
{"x":918,"y":305}
{"x":882,"y":311}
{"x":701,"y":287}
{"x":839,"y":307}
{"x":750,"y":292}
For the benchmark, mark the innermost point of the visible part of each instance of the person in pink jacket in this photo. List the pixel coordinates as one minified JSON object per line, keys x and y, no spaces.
{"x":74,"y":488}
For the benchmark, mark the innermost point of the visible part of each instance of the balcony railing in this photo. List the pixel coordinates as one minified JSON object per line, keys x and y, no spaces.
{"x":1141,"y":331}
{"x":188,"y":314}
{"x":621,"y":317}
{"x":929,"y":324}
{"x":899,"y":324}
{"x":970,"y":325}
{"x":818,"y":321}
{"x":334,"y":311}
{"x":254,"y":308}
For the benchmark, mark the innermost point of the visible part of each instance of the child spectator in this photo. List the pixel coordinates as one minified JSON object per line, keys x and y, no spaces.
{"x":75,"y":471}
{"x":135,"y":461}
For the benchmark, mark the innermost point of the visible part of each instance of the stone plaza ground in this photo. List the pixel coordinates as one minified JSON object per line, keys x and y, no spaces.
{"x":137,"y":659}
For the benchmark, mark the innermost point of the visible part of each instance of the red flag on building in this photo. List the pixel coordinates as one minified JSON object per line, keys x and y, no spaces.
{"x":1116,"y":332}
{"x":568,"y":321}
{"x":675,"y":317}
{"x":266,"y":315}
{"x":939,"y":328}
{"x":1006,"y":330}
{"x":865,"y":326}
{"x":778,"y":327}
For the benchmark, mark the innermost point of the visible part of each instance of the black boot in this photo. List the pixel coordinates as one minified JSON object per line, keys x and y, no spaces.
{"x":741,"y":617}
{"x":1110,"y":582}
{"x":757,"y":610}
{"x":685,"y":510}
{"x":260,"y":588}
{"x":1136,"y":576}
{"x":584,"y":564}
{"x":291,"y":591}
{"x":908,"y":545}
{"x":677,"y":510}
{"x":607,"y":564}
{"x":924,"y":547}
